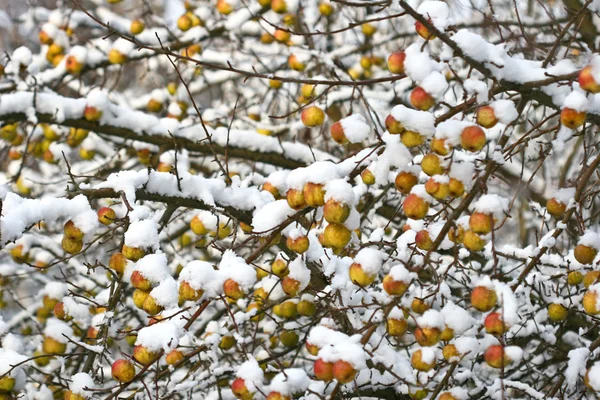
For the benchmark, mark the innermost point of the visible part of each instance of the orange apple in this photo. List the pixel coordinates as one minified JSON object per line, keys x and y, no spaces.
{"x":337,"y":133}
{"x":415,"y":207}
{"x":439,"y":190}
{"x":556,"y":208}
{"x":123,"y":371}
{"x":587,"y":81}
{"x":92,"y":113}
{"x":174,"y":357}
{"x":486,"y":117}
{"x":405,"y":181}
{"x":323,"y":370}
{"x":293,"y":60}
{"x":132,"y":253}
{"x":395,"y":62}
{"x":571,"y":118}
{"x":188,"y":293}
{"x":343,"y":371}
{"x":481,"y":223}
{"x":73,"y":66}
{"x":139,"y":281}
{"x":495,"y":357}
{"x":239,"y":389}
{"x":494,"y":325}
{"x":232,"y":289}
{"x":117,"y":262}
{"x":585,"y":254}
{"x":483,"y":299}
{"x":440,"y":147}
{"x":290,"y":286}
{"x":423,"y":240}
{"x":298,"y":245}
{"x":420,"y":99}
{"x":271,"y":189}
{"x":427,"y":336}
{"x":394,"y":287}
{"x":423,"y":31}
{"x":456,"y":188}
{"x":137,"y":26}
{"x":106,"y":215}
{"x":312,"y":116}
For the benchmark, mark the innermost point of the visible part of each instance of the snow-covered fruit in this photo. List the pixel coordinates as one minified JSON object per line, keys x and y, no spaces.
{"x":295,"y":199}
{"x":337,"y":133}
{"x":423,"y":31}
{"x":555,"y":207}
{"x":314,"y":194}
{"x":494,"y":324}
{"x":132,"y":253}
{"x":481,"y":223}
{"x":590,"y":302}
{"x":396,"y":327}
{"x":106,"y":215}
{"x":495,"y":356}
{"x":571,"y":118}
{"x":73,"y":66}
{"x":420,"y":362}
{"x":395,"y":62}
{"x":585,"y":254}
{"x":359,"y":276}
{"x":336,"y":212}
{"x":483,"y":298}
{"x":473,"y":138}
{"x":343,"y":371}
{"x":240,"y":390}
{"x":142,"y":355}
{"x":421,"y":100}
{"x":323,"y":370}
{"x":312,"y":116}
{"x":394,"y":287}
{"x":405,"y":181}
{"x":232,"y":289}
{"x":437,"y":189}
{"x":92,"y":113}
{"x":336,"y":236}
{"x":415,"y":207}
{"x":427,"y":336}
{"x":431,"y":164}
{"x":486,"y":117}
{"x":298,"y":245}
{"x":123,"y":371}
{"x":587,"y":81}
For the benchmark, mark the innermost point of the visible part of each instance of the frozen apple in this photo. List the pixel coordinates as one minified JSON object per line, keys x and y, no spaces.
{"x":359,"y":277}
{"x":496,"y":357}
{"x":343,"y":371}
{"x":494,"y":324}
{"x":556,"y":208}
{"x":571,"y":118}
{"x":483,"y":299}
{"x":585,"y":254}
{"x":587,"y":81}
{"x":395,"y":62}
{"x":405,"y":181}
{"x":106,"y":215}
{"x":473,"y":138}
{"x":415,"y":207}
{"x":423,"y":31}
{"x":314,"y":194}
{"x":486,"y":117}
{"x":423,"y":360}
{"x":481,"y":223}
{"x":323,"y":370}
{"x":420,"y":99}
{"x":312,"y":116}
{"x":123,"y":371}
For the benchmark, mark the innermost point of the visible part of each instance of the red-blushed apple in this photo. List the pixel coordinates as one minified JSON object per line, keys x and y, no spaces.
{"x":188,"y":293}
{"x":571,"y":118}
{"x":556,"y":208}
{"x":132,"y":253}
{"x":585,"y":254}
{"x":494,"y":324}
{"x":314,"y":194}
{"x":295,"y":199}
{"x":431,"y":164}
{"x":473,"y":138}
{"x":415,"y":207}
{"x":420,"y":99}
{"x":359,"y":277}
{"x":481,"y":223}
{"x":298,"y":245}
{"x":396,"y":327}
{"x":486,"y":116}
{"x":423,"y":31}
{"x":239,"y":389}
{"x":557,"y":312}
{"x":427,"y":336}
{"x":337,"y":235}
{"x":590,"y":302}
{"x":60,"y":312}
{"x":395,"y":62}
{"x":343,"y":371}
{"x":174,"y":357}
{"x":139,"y":281}
{"x":483,"y":299}
{"x":323,"y":370}
{"x":72,"y":232}
{"x":394,"y":287}
{"x":269,"y":187}
{"x":393,"y":126}
{"x":411,"y":138}
{"x":293,"y":60}
{"x":92,"y":113}
{"x":311,"y":348}
{"x":337,"y":133}
{"x":440,"y":146}
{"x":405,"y":181}
{"x":423,"y":240}
{"x":420,"y":364}
{"x":495,"y":356}
{"x":290,"y":286}
{"x":438,"y":190}
{"x":106,"y":215}
{"x":367,"y":177}
{"x":587,"y":81}
{"x":312,"y":116}
{"x":279,"y":6}
{"x":232,"y":289}
{"x":447,"y":396}
{"x":142,"y":355}
{"x":123,"y":371}
{"x":223,"y":7}
{"x":336,"y":212}
{"x":73,"y":66}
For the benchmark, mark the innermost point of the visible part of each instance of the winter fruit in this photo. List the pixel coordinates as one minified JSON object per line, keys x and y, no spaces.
{"x":456,"y":188}
{"x":73,"y":66}
{"x":295,"y":199}
{"x":197,"y":226}
{"x":137,"y":26}
{"x":174,"y":357}
{"x":472,"y":241}
{"x":312,"y":116}
{"x":123,"y":371}
{"x":440,"y":147}
{"x":450,"y":353}
{"x":142,"y":355}
{"x":367,"y":177}
{"x":447,"y":334}
{"x":139,"y":281}
{"x":323,"y":370}
{"x":587,"y":81}
{"x":117,"y":262}
{"x":239,"y":389}
{"x":289,"y":338}
{"x":427,"y":336}
{"x":420,"y":364}
{"x":394,"y":287}
{"x":557,"y":312}
{"x":423,"y":31}
{"x":72,"y":232}
{"x":132,"y":253}
{"x":483,"y":299}
{"x":473,"y":138}
{"x":227,"y":342}
{"x":280,"y":268}
{"x":359,"y":277}
{"x":411,"y":138}
{"x":395,"y":62}
{"x":188,"y":293}
{"x":71,"y":246}
{"x":184,"y":22}
{"x":415,"y":207}
{"x":486,"y":117}
{"x":393,"y":127}
{"x":556,"y":208}
{"x":53,"y":346}
{"x":337,"y":133}
{"x":585,"y":254}
{"x":494,"y":325}
{"x":326,"y":9}
{"x":495,"y":356}
{"x":431,"y":164}
{"x":106,"y":215}
{"x":293,"y":60}
{"x":92,"y":114}
{"x":150,"y":306}
{"x":574,"y":278}
{"x":590,"y":303}
{"x":232,"y":289}
{"x":116,"y":57}
{"x":279,"y":6}
{"x":368,"y":29}
{"x":481,"y":223}
{"x":139,"y":297}
{"x":571,"y":118}
{"x":405,"y":181}
{"x":290,"y":286}
{"x":420,"y":99}
{"x":396,"y":327}
{"x":590,"y":278}
{"x":437,"y":189}
{"x":314,"y":194}
{"x":337,"y":235}
{"x":298,"y":245}
{"x":223,"y":7}
{"x":271,"y":189}
{"x":343,"y":371}
{"x":7,"y":383}
{"x":306,"y":308}
{"x":336,"y":212}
